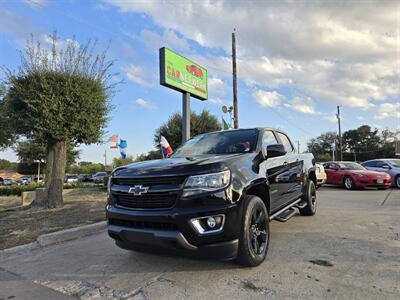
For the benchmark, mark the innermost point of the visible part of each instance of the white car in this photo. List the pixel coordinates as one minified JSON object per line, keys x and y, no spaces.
{"x":320,"y":174}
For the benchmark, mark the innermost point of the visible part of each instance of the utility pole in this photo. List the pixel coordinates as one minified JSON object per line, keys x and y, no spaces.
{"x":340,"y":133}
{"x":234,"y":74}
{"x":185,"y":117}
{"x":105,"y":159}
{"x":298,"y":146}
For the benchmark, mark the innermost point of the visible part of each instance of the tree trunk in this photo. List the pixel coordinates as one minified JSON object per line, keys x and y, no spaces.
{"x":56,"y":173}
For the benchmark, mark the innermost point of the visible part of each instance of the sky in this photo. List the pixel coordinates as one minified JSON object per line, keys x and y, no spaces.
{"x":296,"y":60}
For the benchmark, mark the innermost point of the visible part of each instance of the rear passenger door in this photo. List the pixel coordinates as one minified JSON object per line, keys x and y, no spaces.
{"x":293,"y":165}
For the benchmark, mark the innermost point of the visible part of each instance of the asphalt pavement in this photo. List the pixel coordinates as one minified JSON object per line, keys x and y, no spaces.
{"x":349,"y":250}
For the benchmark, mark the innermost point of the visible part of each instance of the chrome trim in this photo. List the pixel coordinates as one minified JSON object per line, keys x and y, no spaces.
{"x":200,"y":230}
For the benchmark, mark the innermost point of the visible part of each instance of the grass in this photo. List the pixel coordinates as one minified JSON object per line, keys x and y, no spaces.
{"x":81,"y":207}
{"x":321,"y":262}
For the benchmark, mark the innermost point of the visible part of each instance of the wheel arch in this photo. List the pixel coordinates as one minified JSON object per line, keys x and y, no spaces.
{"x":260,"y":189}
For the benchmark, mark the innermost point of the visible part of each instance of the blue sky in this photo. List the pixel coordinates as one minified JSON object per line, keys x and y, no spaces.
{"x":295,"y":62}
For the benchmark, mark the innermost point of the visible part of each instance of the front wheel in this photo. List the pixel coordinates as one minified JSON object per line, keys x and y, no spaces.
{"x":310,"y":197}
{"x":397,"y":181}
{"x":348,"y":183}
{"x":254,"y":233}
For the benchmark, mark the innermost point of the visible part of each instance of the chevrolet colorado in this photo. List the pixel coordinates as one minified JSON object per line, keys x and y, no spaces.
{"x":214,"y":197}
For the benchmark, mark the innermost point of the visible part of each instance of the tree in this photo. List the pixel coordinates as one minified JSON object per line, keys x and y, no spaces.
{"x":8,"y":165}
{"x":321,"y":146}
{"x":7,"y":137}
{"x":118,"y":162}
{"x":85,"y":167}
{"x":172,"y":129}
{"x":59,"y":97}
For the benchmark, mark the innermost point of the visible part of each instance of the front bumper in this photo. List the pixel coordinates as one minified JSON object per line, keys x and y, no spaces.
{"x":170,"y":230}
{"x":368,"y":182}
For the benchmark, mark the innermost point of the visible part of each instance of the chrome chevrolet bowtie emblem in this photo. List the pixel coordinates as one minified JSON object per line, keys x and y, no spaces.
{"x":137,"y":190}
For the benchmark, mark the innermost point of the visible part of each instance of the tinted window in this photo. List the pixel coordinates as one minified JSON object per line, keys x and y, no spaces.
{"x":394,"y":162}
{"x":268,"y":139}
{"x":351,"y":166}
{"x":369,"y":164}
{"x":224,"y":142}
{"x":286,"y":142}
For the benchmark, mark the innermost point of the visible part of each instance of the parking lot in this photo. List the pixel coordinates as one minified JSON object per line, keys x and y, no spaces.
{"x":349,"y":250}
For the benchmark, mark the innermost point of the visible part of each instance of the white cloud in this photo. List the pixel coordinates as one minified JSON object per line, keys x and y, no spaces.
{"x":302,"y":104}
{"x":216,"y":86}
{"x":169,"y":39}
{"x":218,"y":101}
{"x":387,"y":110}
{"x":268,"y":99}
{"x":145,"y":103}
{"x":137,"y":74}
{"x":331,"y":118}
{"x":338,"y":52}
{"x":36,"y":3}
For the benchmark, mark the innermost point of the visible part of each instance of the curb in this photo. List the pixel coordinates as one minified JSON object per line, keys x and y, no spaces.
{"x":57,"y":237}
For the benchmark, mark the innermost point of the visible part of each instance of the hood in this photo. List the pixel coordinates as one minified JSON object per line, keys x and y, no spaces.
{"x":179,"y":166}
{"x":370,"y":173}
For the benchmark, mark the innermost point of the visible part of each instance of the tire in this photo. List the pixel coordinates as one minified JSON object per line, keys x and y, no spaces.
{"x":254,"y":233}
{"x":348,"y":183}
{"x":397,"y":181}
{"x":310,"y":197}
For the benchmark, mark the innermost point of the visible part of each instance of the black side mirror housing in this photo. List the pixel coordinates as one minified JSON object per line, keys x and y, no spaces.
{"x":274,"y":151}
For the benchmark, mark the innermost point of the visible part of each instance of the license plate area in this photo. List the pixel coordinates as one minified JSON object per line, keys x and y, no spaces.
{"x":379,"y":181}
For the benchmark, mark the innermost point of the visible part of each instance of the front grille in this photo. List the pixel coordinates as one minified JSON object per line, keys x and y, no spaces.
{"x":149,"y":201}
{"x":149,"y":181}
{"x":143,"y":224}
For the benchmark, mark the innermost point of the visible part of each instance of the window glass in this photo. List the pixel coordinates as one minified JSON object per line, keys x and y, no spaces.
{"x":268,"y":138}
{"x":286,"y":142}
{"x":370,"y":164}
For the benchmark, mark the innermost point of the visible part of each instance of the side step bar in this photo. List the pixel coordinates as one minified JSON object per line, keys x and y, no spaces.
{"x":286,"y":215}
{"x":288,"y":211}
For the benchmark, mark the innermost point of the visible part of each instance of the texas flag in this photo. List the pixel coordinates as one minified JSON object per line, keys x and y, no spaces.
{"x":165,"y":147}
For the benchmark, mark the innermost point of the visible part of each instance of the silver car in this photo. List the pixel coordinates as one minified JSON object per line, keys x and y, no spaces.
{"x":387,"y":165}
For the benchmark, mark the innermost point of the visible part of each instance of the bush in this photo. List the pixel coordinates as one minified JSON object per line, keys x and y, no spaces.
{"x":17,"y":190}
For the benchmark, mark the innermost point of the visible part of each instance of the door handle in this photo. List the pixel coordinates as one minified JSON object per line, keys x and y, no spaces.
{"x":285,"y":163}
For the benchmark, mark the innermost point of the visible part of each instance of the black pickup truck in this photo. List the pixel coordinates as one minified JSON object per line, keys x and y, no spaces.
{"x":214,"y":197}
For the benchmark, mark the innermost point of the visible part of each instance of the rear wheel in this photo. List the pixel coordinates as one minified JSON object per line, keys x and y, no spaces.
{"x":254,"y":234}
{"x":310,"y":198}
{"x":348,"y":183}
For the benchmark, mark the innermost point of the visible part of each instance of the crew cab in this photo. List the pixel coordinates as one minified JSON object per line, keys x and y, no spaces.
{"x":214,"y":197}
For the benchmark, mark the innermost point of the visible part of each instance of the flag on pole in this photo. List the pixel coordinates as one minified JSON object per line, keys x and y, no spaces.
{"x":123,"y":148}
{"x":114,"y":146}
{"x":165,"y":147}
{"x":113,"y":138}
{"x":224,"y":124}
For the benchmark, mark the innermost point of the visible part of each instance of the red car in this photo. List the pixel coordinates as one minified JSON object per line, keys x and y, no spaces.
{"x":352,"y":175}
{"x":195,"y":71}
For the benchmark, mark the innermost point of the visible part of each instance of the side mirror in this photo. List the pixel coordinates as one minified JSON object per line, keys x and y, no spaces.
{"x":274,"y":151}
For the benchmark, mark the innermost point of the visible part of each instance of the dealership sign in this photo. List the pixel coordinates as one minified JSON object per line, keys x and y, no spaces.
{"x":181,"y":74}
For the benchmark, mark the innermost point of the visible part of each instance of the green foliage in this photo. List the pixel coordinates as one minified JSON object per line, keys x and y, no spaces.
{"x":85,"y":167}
{"x":30,"y":151}
{"x":321,"y":146}
{"x":118,"y":162}
{"x":8,"y":165}
{"x":17,"y":190}
{"x":359,"y":144}
{"x":172,"y":130}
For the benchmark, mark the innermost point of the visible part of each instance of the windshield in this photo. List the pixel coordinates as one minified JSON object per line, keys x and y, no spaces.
{"x":224,"y":142}
{"x":351,"y":166}
{"x":394,"y":162}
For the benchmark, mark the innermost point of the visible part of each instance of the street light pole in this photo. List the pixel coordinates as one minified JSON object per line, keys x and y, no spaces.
{"x":234,"y":74}
{"x":340,"y":133}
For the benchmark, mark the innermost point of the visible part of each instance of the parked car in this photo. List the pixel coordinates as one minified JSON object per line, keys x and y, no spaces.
{"x":99,"y":177}
{"x":24,"y":180}
{"x":320,"y":174}
{"x":71,"y":178}
{"x":390,"y":166}
{"x":9,"y":181}
{"x":214,"y":197}
{"x":352,"y":175}
{"x":85,"y":178}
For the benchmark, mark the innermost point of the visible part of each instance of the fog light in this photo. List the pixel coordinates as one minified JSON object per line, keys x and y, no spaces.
{"x":211,"y":222}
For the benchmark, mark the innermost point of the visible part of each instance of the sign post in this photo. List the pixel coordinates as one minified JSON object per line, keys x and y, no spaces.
{"x":183,"y":75}
{"x":185,"y":116}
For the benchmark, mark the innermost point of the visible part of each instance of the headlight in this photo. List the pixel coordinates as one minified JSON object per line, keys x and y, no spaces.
{"x":207,"y":182}
{"x":361,"y":175}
